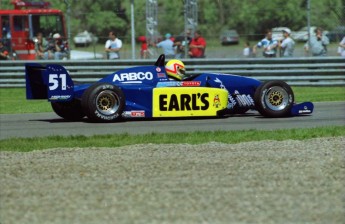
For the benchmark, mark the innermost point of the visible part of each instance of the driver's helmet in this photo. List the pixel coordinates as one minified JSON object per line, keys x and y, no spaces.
{"x":175,"y":69}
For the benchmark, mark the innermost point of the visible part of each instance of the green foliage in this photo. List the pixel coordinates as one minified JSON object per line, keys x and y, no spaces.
{"x":249,"y":17}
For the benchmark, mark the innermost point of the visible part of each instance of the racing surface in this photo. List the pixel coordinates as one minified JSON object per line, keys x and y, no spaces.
{"x":47,"y":124}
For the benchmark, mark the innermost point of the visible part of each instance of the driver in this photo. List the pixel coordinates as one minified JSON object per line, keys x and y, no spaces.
{"x":175,"y":69}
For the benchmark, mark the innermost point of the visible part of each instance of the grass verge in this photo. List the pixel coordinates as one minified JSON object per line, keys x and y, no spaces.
{"x":39,"y":143}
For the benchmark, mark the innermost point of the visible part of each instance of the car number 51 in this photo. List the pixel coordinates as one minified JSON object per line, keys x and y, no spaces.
{"x":55,"y":79}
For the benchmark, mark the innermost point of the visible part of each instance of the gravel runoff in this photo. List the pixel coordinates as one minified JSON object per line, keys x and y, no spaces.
{"x":254,"y":182}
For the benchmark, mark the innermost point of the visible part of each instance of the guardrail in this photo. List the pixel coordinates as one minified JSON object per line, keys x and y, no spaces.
{"x":327,"y":71}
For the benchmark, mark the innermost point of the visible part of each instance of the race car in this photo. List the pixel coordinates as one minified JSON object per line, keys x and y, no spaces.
{"x":149,"y":92}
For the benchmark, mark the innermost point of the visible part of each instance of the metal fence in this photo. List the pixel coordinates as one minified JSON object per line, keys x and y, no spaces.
{"x":328,"y":71}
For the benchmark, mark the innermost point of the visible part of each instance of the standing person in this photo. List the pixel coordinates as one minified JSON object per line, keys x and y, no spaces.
{"x":197,"y":46}
{"x":113,"y":46}
{"x":143,"y":48}
{"x":341,"y":48}
{"x":288,"y":44}
{"x":180,"y":44}
{"x":269,"y":45}
{"x":247,"y":51}
{"x":318,"y":43}
{"x":167,"y":46}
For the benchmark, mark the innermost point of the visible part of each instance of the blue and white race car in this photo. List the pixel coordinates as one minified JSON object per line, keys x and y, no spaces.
{"x":150,"y":92}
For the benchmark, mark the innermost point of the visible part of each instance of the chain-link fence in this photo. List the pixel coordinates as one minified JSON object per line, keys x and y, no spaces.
{"x":250,"y":20}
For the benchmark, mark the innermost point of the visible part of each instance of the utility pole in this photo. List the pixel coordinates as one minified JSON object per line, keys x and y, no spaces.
{"x":308,"y":24}
{"x":68,"y":24}
{"x":190,"y":20}
{"x":133,"y":29}
{"x":151,"y":25}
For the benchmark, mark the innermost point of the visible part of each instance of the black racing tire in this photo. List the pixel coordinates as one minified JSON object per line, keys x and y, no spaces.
{"x":274,"y":99}
{"x":103,"y":102}
{"x":69,"y":110}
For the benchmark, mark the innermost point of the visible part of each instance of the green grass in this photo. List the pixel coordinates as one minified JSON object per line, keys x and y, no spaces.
{"x":13,"y":100}
{"x":319,"y":94}
{"x":39,"y":143}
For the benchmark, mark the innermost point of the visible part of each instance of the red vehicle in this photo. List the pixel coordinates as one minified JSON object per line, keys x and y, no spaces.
{"x":20,"y":25}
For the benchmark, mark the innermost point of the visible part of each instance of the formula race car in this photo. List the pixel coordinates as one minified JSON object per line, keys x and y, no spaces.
{"x":148,"y":92}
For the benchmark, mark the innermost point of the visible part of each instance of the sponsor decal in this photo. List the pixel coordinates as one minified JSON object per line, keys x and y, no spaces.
{"x":183,"y":84}
{"x":190,"y":83}
{"x":60,"y":97}
{"x":187,"y":101}
{"x":134,"y":113}
{"x":231,"y":100}
{"x":158,"y":69}
{"x":161,"y":75}
{"x":304,"y":111}
{"x":133,"y":77}
{"x":104,"y":117}
{"x":183,"y":102}
{"x":216,"y":101}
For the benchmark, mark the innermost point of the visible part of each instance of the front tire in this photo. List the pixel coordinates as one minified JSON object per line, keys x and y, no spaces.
{"x":103,"y":102}
{"x":274,"y":99}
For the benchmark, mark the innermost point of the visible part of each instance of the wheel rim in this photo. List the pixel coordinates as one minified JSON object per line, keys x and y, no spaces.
{"x":276,"y":98}
{"x":107,"y":102}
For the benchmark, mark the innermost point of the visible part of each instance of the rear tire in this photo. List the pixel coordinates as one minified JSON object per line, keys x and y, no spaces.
{"x":274,"y":99}
{"x":103,"y":102}
{"x":69,"y":110}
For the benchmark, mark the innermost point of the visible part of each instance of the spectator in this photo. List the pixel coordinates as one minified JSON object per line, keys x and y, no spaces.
{"x":317,"y":43}
{"x":3,"y":51}
{"x":40,"y":45}
{"x":288,"y":44}
{"x":247,"y":51}
{"x":180,"y":44}
{"x":197,"y":46}
{"x":269,"y":45}
{"x":56,"y":48}
{"x":341,"y":48}
{"x":6,"y":31}
{"x":113,"y":46}
{"x":167,"y":46}
{"x":143,"y":48}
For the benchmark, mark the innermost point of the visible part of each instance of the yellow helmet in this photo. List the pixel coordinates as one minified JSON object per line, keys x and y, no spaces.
{"x":175,"y":69}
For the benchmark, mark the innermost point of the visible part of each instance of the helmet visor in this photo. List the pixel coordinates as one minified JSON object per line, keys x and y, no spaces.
{"x":181,"y":71}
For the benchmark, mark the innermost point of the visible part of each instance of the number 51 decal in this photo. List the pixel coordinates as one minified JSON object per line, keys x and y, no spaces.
{"x":55,"y":80}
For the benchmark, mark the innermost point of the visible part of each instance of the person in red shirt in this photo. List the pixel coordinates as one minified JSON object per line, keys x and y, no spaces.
{"x":197,"y":46}
{"x":143,"y":48}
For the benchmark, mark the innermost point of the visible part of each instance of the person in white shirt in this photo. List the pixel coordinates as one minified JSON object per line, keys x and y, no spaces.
{"x":113,"y":46}
{"x":268,"y":44}
{"x":247,"y":51}
{"x":288,"y":44}
{"x":341,"y":48}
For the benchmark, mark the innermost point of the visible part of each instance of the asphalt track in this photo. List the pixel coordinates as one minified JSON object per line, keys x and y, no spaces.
{"x":49,"y":124}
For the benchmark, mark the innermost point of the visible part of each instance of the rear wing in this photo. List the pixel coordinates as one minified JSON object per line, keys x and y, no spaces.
{"x":50,"y":82}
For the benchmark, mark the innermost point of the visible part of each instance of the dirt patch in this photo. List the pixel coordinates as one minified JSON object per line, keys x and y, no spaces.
{"x":253,"y":182}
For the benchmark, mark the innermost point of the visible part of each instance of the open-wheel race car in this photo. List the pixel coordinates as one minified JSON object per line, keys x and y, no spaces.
{"x":152,"y":92}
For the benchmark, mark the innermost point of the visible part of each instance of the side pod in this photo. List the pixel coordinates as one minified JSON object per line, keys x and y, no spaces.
{"x":50,"y":82}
